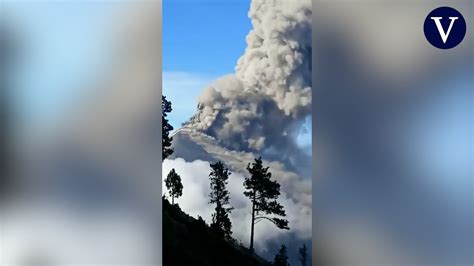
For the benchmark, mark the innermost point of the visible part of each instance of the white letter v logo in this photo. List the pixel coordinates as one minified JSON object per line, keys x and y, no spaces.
{"x":444,"y":35}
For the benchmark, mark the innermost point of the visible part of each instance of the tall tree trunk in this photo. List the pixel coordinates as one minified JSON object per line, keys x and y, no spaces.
{"x":253,"y":223}
{"x":172,"y":200}
{"x":218,"y":214}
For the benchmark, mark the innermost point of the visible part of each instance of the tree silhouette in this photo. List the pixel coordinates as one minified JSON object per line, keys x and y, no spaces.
{"x":303,"y":255}
{"x":281,"y":258}
{"x":263,"y":192}
{"x":166,"y":139}
{"x":220,"y":196}
{"x":174,"y":185}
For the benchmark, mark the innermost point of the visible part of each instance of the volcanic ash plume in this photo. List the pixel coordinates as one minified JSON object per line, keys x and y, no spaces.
{"x":264,"y":103}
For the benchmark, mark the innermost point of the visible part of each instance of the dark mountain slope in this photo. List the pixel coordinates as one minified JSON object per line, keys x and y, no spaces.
{"x":188,"y":241}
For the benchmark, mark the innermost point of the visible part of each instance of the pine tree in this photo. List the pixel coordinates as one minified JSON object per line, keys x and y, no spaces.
{"x":220,"y":196}
{"x":174,"y":185}
{"x":303,"y":255}
{"x":166,"y":139}
{"x":263,"y":193}
{"x":281,"y":258}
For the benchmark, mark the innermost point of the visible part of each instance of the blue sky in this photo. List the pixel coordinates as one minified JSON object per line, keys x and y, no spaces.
{"x":202,"y":40}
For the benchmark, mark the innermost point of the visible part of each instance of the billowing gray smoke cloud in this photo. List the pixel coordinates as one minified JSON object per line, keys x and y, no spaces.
{"x":264,"y":103}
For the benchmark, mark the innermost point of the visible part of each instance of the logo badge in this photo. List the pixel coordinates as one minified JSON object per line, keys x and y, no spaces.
{"x":444,"y":27}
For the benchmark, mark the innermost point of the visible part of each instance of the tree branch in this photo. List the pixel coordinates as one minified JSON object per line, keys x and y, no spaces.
{"x":258,"y":218}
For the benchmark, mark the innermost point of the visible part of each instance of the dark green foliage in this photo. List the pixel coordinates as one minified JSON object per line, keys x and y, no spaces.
{"x":174,"y":185}
{"x":281,"y":258}
{"x":166,"y":139}
{"x":220,"y":196}
{"x":303,"y":255}
{"x":263,"y":192}
{"x":191,"y":242}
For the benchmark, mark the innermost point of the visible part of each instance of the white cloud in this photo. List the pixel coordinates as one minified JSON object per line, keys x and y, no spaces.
{"x":195,"y":201}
